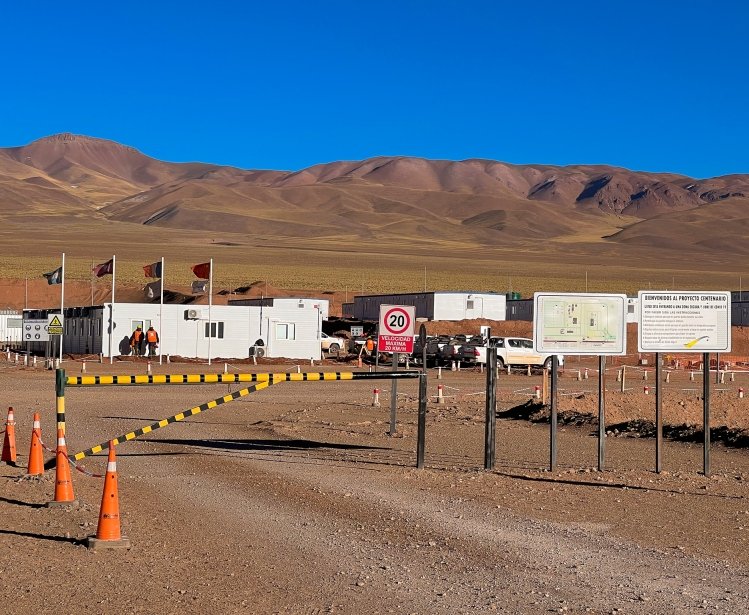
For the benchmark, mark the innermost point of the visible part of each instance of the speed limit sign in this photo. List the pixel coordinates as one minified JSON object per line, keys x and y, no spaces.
{"x":396,"y":328}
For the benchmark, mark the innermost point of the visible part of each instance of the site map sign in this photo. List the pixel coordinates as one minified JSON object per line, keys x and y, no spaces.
{"x":684,"y":321}
{"x":580,"y":323}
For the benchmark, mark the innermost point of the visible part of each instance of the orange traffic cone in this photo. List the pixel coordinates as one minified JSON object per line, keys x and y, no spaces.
{"x":108,"y":534}
{"x":36,"y":456}
{"x":9,"y":443}
{"x":63,"y":481}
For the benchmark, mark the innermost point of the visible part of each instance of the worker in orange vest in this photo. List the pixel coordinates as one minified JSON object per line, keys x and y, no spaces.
{"x":136,"y":341}
{"x":370,"y":345}
{"x":152,"y":338}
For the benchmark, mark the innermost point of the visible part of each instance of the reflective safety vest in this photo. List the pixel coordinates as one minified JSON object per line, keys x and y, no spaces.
{"x":151,"y":336}
{"x":137,"y":335}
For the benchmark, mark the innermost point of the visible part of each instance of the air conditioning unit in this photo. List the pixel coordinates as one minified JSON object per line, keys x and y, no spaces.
{"x":192,"y":314}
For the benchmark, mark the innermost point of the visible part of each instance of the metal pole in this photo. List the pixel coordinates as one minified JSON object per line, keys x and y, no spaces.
{"x":490,"y":424}
{"x":717,"y":368}
{"x":394,"y":397}
{"x":210,"y":304}
{"x":553,"y":418}
{"x":62,"y":305}
{"x":60,"y":398}
{"x":161,"y":311}
{"x":111,"y":311}
{"x":706,"y":411}
{"x":658,"y":415}
{"x":422,"y":422}
{"x":601,"y":412}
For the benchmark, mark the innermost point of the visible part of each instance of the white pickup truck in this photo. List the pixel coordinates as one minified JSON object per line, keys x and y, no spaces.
{"x":513,"y":351}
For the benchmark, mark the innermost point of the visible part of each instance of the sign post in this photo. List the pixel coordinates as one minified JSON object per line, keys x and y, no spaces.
{"x":683,"y":322}
{"x":579,"y":324}
{"x":395,"y":335}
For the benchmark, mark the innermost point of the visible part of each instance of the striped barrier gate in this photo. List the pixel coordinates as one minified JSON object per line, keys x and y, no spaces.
{"x":260,"y":381}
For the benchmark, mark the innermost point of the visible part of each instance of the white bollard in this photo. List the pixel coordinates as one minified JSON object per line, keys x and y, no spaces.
{"x":722,"y":377}
{"x":732,"y":376}
{"x":439,"y":373}
{"x":101,"y":357}
{"x":226,"y":368}
{"x":440,"y":396}
{"x":148,"y":368}
{"x":528,"y":373}
{"x":618,"y":375}
{"x":537,"y":392}
{"x":408,"y":363}
{"x":481,"y":368}
{"x":57,"y":363}
{"x":645,"y":375}
{"x":646,"y":390}
{"x":298,"y":369}
{"x":312,"y":362}
{"x":34,"y":362}
{"x":26,"y":360}
{"x":83,"y":367}
{"x":668,"y":377}
{"x":741,"y":393}
{"x":691,"y":376}
{"x":508,"y":371}
{"x":254,"y":360}
{"x":168,"y":358}
{"x":376,"y":397}
{"x":458,"y":364}
{"x":585,"y":374}
{"x":453,"y":368}
{"x":579,"y":375}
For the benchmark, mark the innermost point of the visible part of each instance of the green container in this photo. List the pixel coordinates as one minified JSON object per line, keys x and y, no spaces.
{"x":513,"y":295}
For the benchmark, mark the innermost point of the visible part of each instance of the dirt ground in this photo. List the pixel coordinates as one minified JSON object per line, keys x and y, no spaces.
{"x":295,"y":499}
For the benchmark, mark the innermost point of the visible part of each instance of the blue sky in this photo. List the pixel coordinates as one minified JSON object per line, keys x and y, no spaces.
{"x":659,"y":86}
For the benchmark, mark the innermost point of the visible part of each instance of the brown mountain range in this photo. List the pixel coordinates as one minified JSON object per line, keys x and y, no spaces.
{"x":385,"y":201}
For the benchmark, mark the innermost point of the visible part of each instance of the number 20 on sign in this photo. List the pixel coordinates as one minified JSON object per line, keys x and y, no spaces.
{"x":396,"y":328}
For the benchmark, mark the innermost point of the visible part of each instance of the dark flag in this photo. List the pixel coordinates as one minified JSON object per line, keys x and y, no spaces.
{"x":153,"y":270}
{"x":104,"y":269}
{"x":54,"y":277}
{"x":153,"y":289}
{"x":199,"y":287}
{"x":203,"y":270}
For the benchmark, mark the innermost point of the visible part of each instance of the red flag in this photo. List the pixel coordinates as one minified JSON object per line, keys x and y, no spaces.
{"x":104,"y":269}
{"x":203,"y":270}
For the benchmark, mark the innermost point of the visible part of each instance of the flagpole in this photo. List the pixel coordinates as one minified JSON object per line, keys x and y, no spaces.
{"x":161,"y":307}
{"x":111,"y":311}
{"x":210,"y":303}
{"x":62,"y":303}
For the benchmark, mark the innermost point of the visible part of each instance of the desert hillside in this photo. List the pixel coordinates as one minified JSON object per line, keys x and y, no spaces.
{"x":388,"y":200}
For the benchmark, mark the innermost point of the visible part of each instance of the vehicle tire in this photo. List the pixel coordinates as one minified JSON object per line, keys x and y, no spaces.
{"x":547,"y":363}
{"x":334,"y":348}
{"x":500,"y":363}
{"x":259,"y":352}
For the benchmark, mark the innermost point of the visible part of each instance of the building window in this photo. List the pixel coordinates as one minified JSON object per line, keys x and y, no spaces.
{"x":631,"y":308}
{"x":469,"y":304}
{"x":214,"y":329}
{"x":285,"y":331}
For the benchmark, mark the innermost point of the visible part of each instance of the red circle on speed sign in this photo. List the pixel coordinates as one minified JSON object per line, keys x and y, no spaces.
{"x":397,"y":321}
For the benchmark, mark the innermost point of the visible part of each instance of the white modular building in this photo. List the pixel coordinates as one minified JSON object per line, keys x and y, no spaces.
{"x":231,"y":332}
{"x":304,"y":303}
{"x":10,"y":327}
{"x":437,"y":305}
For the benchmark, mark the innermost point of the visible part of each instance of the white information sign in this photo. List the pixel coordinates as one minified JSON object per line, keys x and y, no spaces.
{"x":684,"y":321}
{"x":357,"y":331}
{"x":580,"y":323}
{"x":35,"y":330}
{"x":396,"y":333}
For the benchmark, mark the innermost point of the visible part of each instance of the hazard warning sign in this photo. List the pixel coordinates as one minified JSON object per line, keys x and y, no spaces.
{"x":55,"y":324}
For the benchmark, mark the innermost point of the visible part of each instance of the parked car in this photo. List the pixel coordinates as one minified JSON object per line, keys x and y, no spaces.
{"x":517,"y":351}
{"x":329,"y":343}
